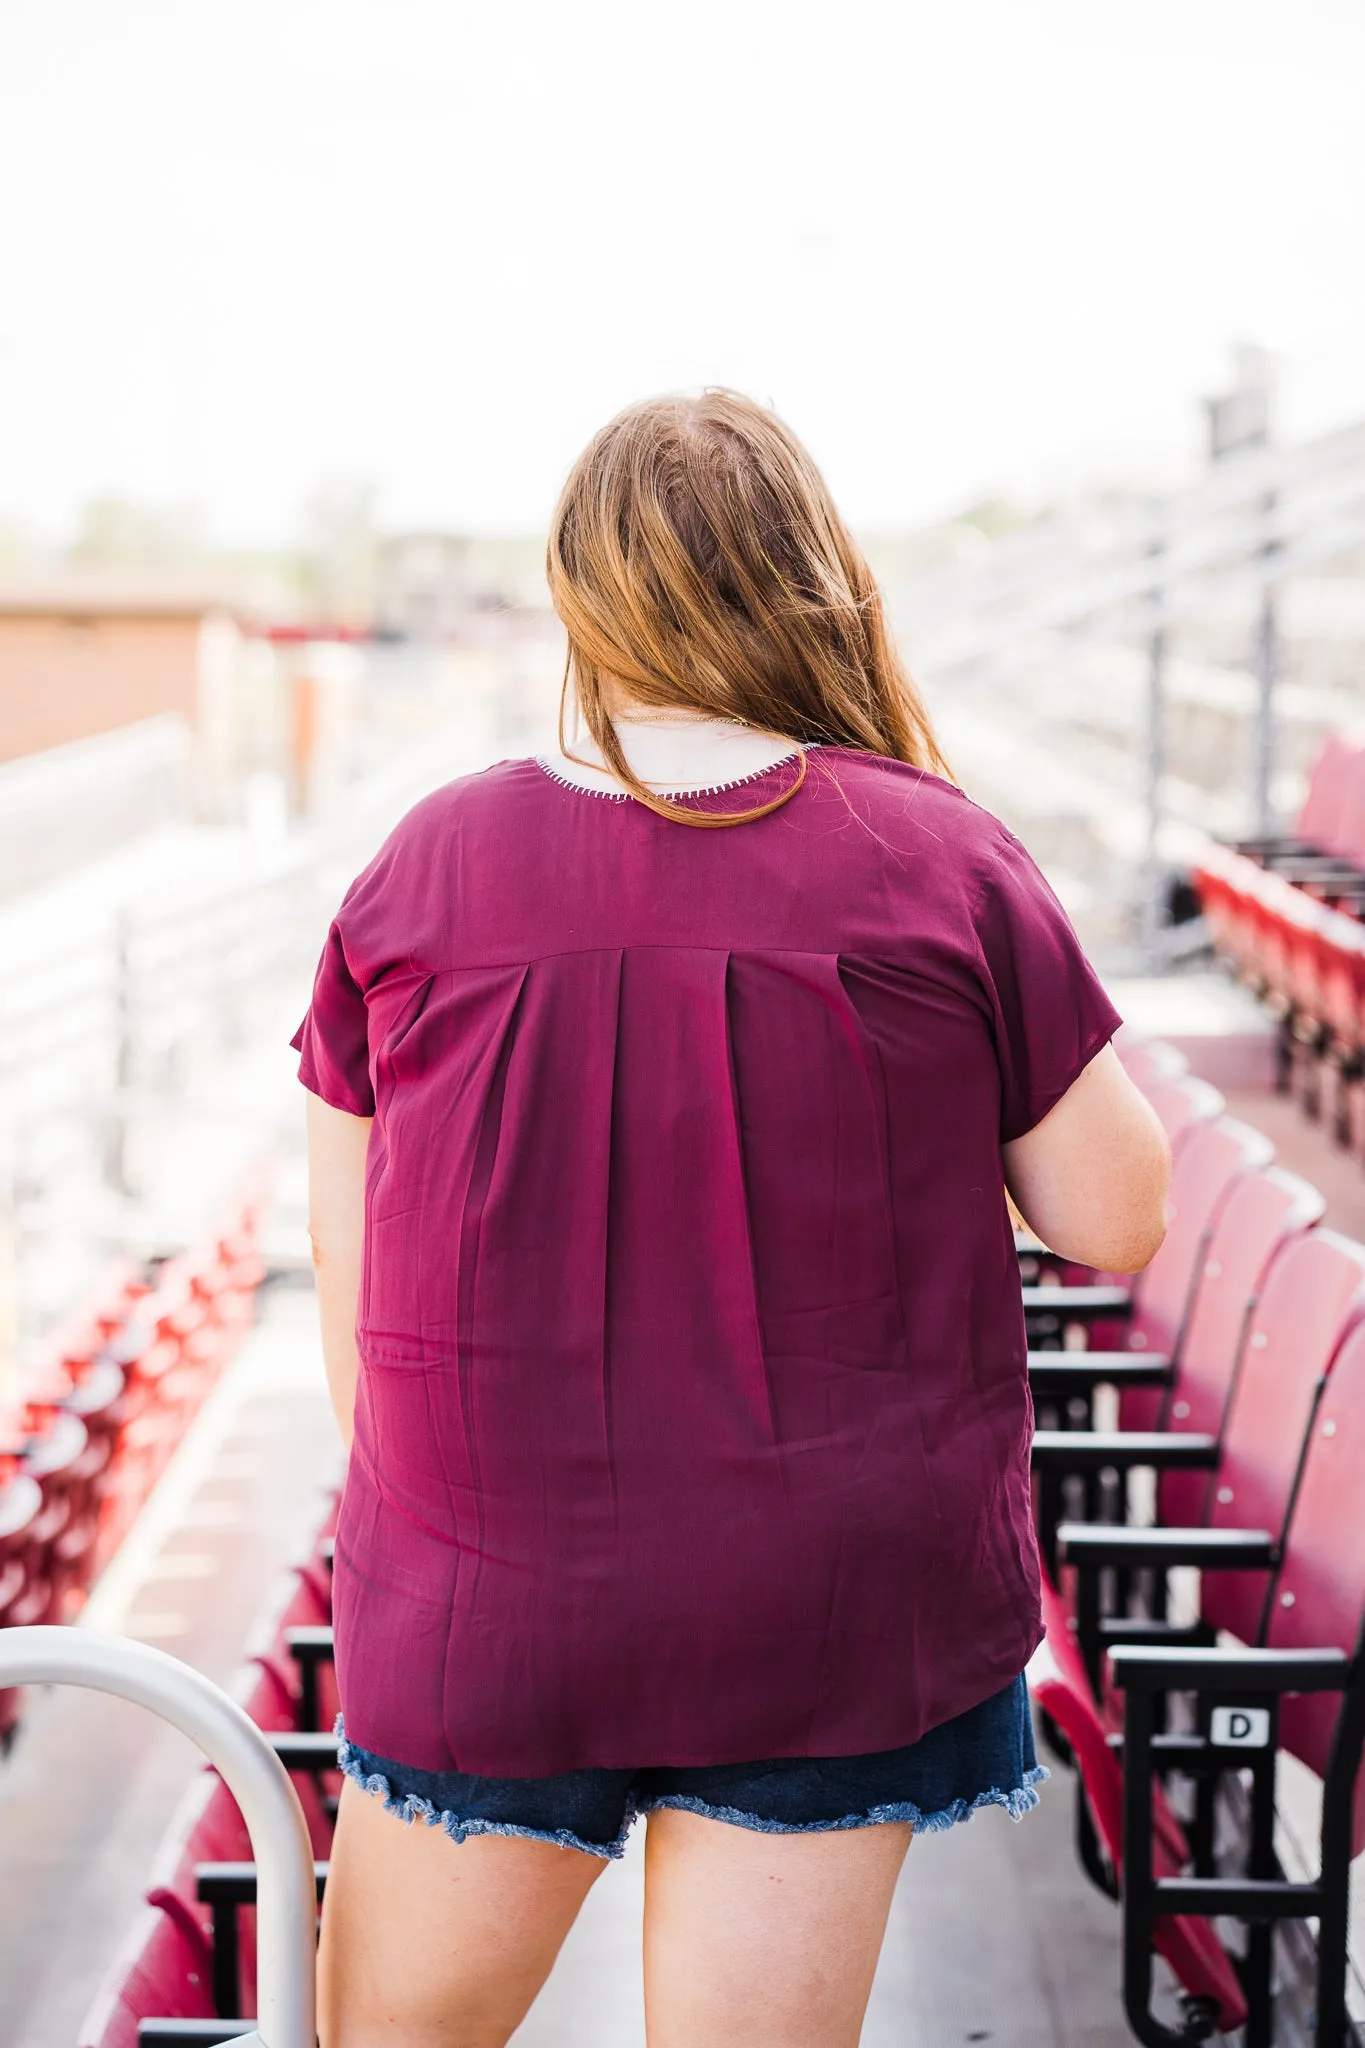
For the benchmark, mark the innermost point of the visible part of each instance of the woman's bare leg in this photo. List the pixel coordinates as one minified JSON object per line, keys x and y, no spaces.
{"x":756,"y":1940}
{"x":429,"y":1943}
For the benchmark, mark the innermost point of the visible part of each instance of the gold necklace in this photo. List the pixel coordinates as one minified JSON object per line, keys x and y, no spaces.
{"x":678,"y":718}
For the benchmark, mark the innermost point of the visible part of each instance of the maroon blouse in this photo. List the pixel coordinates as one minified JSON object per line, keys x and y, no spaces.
{"x":693,"y":1421}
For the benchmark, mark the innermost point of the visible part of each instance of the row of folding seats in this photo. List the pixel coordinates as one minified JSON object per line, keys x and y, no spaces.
{"x":94,"y":1426}
{"x":1255,"y":1430}
{"x":186,"y":1975}
{"x":1285,"y":915}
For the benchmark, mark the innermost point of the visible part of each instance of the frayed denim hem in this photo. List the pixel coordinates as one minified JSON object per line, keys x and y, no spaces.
{"x":411,"y":1806}
{"x":1018,"y":1801}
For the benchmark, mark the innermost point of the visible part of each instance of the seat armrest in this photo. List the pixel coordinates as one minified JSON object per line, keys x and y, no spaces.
{"x":234,"y":1884}
{"x":1151,"y":1667}
{"x":1079,"y":1304}
{"x":1271,"y":842}
{"x":1094,"y":1544}
{"x":193,"y":2033}
{"x":1306,"y":866}
{"x":1099,"y":1450}
{"x":301,"y":1750}
{"x":310,"y":1645}
{"x":1151,"y":1628}
{"x":1065,"y":1372}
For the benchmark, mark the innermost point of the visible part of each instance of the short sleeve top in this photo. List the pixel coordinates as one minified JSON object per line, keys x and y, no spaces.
{"x":693,"y":1419}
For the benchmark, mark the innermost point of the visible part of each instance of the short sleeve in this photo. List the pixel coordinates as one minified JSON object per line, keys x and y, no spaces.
{"x":333,"y":1040}
{"x":1051,"y":1014}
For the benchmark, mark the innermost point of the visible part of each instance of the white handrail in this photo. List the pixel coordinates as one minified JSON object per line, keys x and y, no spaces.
{"x":286,"y":1894}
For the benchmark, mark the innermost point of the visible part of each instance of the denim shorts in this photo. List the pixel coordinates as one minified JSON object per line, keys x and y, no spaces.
{"x":984,"y":1757}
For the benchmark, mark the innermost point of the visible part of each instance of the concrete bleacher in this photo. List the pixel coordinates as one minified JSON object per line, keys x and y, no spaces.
{"x":91,"y":1783}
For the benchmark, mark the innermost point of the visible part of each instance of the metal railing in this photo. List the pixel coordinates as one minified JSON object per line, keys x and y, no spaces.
{"x":286,"y":1893}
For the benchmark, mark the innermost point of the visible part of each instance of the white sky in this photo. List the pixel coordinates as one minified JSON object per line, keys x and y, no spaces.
{"x":249,"y":244}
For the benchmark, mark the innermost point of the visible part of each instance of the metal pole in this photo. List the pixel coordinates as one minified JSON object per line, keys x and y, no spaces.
{"x":116,"y":1135}
{"x":1266,"y":663}
{"x":286,"y":1891}
{"x":1152,"y":906}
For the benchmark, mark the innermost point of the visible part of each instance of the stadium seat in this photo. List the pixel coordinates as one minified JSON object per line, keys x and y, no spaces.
{"x":21,"y":1505}
{"x":1063,"y":1382}
{"x":1263,"y":1212}
{"x":162,"y":1971}
{"x":1301,"y":1689}
{"x":1312,"y":1294}
{"x":1182,"y":1105}
{"x":1211,"y":1988}
{"x":1146,"y":1060}
{"x":1327,"y":824}
{"x":1055,"y":1306}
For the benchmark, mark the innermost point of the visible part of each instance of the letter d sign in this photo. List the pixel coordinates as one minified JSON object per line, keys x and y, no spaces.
{"x":1239,"y":1727}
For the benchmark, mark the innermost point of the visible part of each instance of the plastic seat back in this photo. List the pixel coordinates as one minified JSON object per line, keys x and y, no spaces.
{"x":1148,"y":1060}
{"x":159,"y":1975}
{"x":1314,"y":1289}
{"x":1324,"y":820}
{"x":1318,"y":1599}
{"x":1262,"y":1214}
{"x":1210,"y":1163}
{"x":1347,"y":825}
{"x":1182,"y":1105}
{"x":1341,"y":971}
{"x":1190,"y":1946}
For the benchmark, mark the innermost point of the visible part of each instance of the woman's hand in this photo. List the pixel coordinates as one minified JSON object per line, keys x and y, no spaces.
{"x":1091,"y":1178}
{"x":337,"y":1145}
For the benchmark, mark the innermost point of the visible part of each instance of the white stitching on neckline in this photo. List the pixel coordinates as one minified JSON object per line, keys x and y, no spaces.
{"x":624,"y":796}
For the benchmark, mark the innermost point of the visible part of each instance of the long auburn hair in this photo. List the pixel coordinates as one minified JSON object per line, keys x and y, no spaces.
{"x":697,"y":562}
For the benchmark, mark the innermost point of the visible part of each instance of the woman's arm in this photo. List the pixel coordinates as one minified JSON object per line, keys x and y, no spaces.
{"x":337,"y":1144}
{"x":1091,"y":1178}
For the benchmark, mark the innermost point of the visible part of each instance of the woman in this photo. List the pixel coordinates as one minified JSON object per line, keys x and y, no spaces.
{"x":667,"y":1092}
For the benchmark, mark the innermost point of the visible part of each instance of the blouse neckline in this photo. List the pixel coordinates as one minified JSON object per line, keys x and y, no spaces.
{"x":686,"y":755}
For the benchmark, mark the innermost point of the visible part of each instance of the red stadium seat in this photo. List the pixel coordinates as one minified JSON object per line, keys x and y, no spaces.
{"x":1103,"y":1303}
{"x":162,"y":1972}
{"x":1262,"y":1212}
{"x":1313,"y":1290}
{"x":1214,"y":1158}
{"x":1146,"y":1060}
{"x":1307,"y":1675}
{"x":1319,"y":1592}
{"x":1329,"y":822}
{"x":21,"y":1506}
{"x":1197,"y":1958}
{"x":1306,"y":1325}
{"x":1144,"y":1367}
{"x":1313,"y":1293}
{"x":1182,"y":1105}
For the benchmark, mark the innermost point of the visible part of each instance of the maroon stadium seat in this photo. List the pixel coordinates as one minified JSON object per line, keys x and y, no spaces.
{"x":1146,"y":1060}
{"x":1263,"y":1212}
{"x":1214,"y":1159}
{"x":1305,"y":1682}
{"x":1182,"y":1105}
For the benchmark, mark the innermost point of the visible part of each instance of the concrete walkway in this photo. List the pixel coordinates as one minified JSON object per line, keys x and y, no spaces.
{"x":91,"y":1784}
{"x":994,"y":1937}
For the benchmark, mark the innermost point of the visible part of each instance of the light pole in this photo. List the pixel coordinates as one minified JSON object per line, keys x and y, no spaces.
{"x":1237,"y":421}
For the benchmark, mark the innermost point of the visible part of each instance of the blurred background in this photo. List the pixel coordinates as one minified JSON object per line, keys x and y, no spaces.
{"x":306,"y":308}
